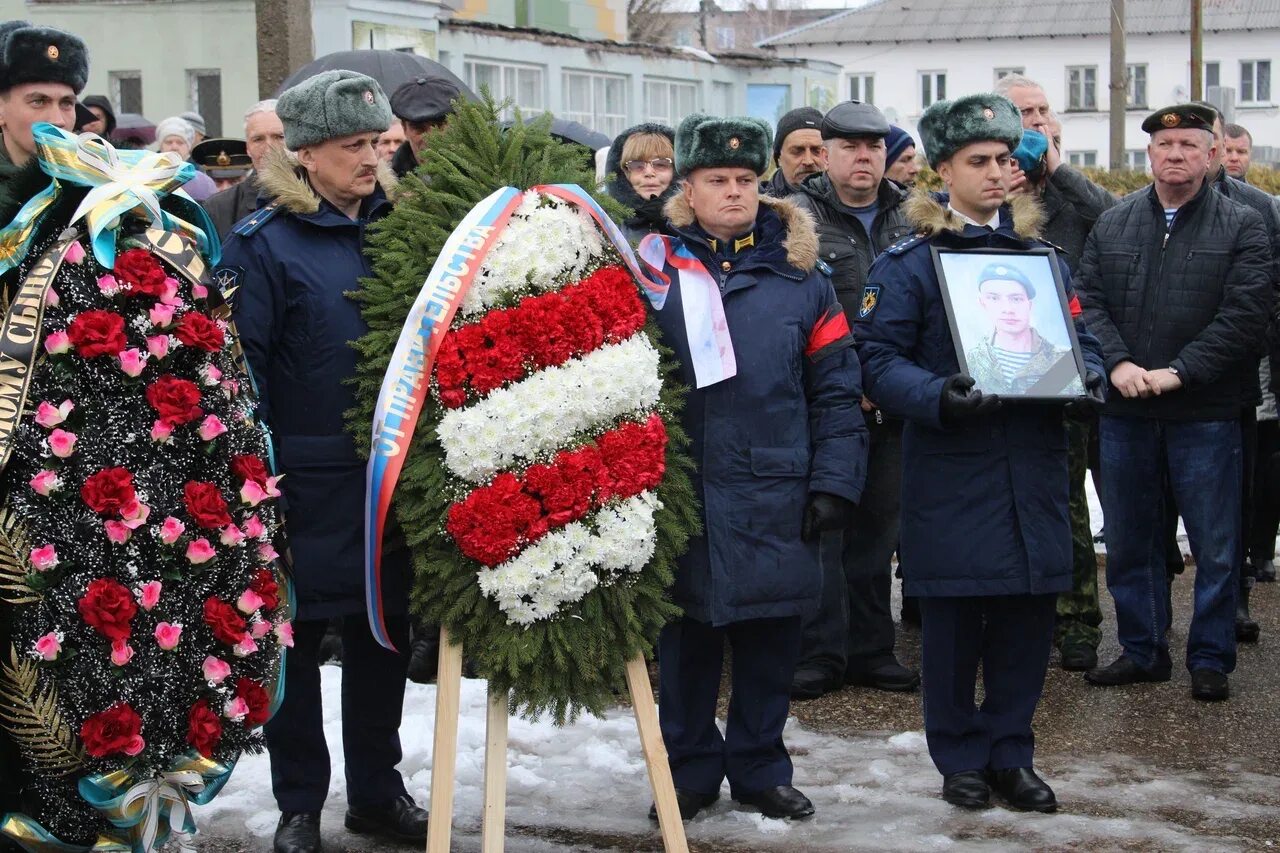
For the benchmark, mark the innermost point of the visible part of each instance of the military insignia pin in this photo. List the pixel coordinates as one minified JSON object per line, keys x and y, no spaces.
{"x":224,"y":159}
{"x":734,"y":142}
{"x":52,"y":52}
{"x":368,"y":96}
{"x":988,"y":114}
{"x":870,"y":298}
{"x":1171,"y":119}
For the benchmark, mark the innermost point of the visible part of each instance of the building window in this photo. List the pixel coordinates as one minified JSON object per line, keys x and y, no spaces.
{"x":1255,"y":80}
{"x":597,"y":100}
{"x":204,"y":95}
{"x":1212,"y":74}
{"x":1136,"y":159}
{"x":518,"y":85}
{"x":1082,"y":87}
{"x":1001,"y":73}
{"x":725,"y":38}
{"x":723,"y":94}
{"x":862,"y":87}
{"x":933,"y":87}
{"x":667,"y":102}
{"x":1136,"y":94}
{"x":1083,"y":158}
{"x":683,"y":38}
{"x":126,"y":90}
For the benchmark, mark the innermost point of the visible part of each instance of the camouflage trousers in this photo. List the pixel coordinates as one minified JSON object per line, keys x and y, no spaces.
{"x":1079,"y":612}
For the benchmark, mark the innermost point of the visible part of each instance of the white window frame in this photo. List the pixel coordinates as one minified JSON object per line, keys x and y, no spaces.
{"x":113,"y":84}
{"x":1131,"y":85}
{"x":934,"y":92}
{"x":1082,"y":158}
{"x":516,"y":69}
{"x":673,"y":112}
{"x":1257,"y":97}
{"x":1217,"y":72}
{"x":1001,"y":73}
{"x":1079,"y":101}
{"x":212,"y":123}
{"x":726,"y":38}
{"x":862,"y":87}
{"x":1136,"y":159}
{"x":610,"y":122}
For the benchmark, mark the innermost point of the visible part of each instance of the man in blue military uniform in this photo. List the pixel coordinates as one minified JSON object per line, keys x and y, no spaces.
{"x":986,"y":543}
{"x":781,"y":450}
{"x":293,"y":262}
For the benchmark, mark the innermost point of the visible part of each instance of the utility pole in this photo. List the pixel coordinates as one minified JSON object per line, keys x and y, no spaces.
{"x":1119,"y":84}
{"x":1197,"y":50}
{"x":284,"y":41}
{"x":703,"y":12}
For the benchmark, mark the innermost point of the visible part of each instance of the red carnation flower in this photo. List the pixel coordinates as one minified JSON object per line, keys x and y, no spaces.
{"x":95,"y":333}
{"x":204,"y":728}
{"x":264,"y":584}
{"x":141,"y":271}
{"x":205,"y":505}
{"x":117,"y":730}
{"x":225,"y":621}
{"x":199,"y":331}
{"x":256,"y":698}
{"x":490,"y":523}
{"x":248,"y":468}
{"x":108,"y":607}
{"x":108,"y":491}
{"x":566,"y":486}
{"x":176,"y":401}
{"x":633,"y":457}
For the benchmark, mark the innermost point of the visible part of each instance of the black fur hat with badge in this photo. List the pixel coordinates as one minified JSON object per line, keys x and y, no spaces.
{"x":31,"y":54}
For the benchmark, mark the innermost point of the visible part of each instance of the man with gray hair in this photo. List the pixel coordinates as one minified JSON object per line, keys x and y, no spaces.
{"x":262,"y":133}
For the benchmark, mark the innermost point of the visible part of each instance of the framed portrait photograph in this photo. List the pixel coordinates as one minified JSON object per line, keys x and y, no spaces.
{"x":1011,"y":323}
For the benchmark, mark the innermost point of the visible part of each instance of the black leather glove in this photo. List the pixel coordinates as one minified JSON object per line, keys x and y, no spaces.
{"x":960,"y":401}
{"x":1095,"y":395}
{"x":825,"y":513}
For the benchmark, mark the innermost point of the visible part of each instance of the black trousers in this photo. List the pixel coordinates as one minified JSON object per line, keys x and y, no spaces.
{"x":852,"y":629}
{"x":1010,"y":636}
{"x":373,"y":682}
{"x":1262,"y":533}
{"x":751,"y":752}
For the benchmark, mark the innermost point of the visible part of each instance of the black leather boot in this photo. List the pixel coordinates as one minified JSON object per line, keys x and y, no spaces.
{"x":1247,"y":630}
{"x":298,"y":832}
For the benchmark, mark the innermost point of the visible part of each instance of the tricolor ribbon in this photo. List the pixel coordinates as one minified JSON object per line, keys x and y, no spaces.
{"x":157,"y":809}
{"x":408,"y":378}
{"x":120,"y":182}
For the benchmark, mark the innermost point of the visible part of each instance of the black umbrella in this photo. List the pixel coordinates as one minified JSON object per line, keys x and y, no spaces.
{"x":570,"y":131}
{"x":134,"y":126}
{"x":391,"y":68}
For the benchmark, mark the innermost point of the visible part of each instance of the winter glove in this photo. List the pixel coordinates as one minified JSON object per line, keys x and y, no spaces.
{"x":1095,"y":395}
{"x":825,"y":513}
{"x":960,"y":401}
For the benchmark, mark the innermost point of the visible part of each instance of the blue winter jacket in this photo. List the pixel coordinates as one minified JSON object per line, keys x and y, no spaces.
{"x":984,"y":504}
{"x":293,"y":262}
{"x":786,"y":426}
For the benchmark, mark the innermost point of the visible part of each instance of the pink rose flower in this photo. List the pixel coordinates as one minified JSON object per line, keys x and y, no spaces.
{"x":171,"y":530}
{"x":161,"y":431}
{"x":46,"y":483}
{"x":199,"y":291}
{"x":44,"y":558}
{"x":75,"y":253}
{"x":259,"y":629}
{"x":136,"y":745}
{"x":62,"y":443}
{"x":168,"y":635}
{"x":236,"y":710}
{"x":49,"y":646}
{"x":117,"y":531}
{"x":266,"y":552}
{"x":161,"y":315}
{"x":245,"y":647}
{"x":271,"y":489}
{"x":211,"y":375}
{"x":231,"y":535}
{"x":149,"y":594}
{"x":284,"y":633}
{"x":200,"y":551}
{"x":211,"y":427}
{"x":121,"y":652}
{"x":51,"y":298}
{"x":56,"y":343}
{"x":158,"y":346}
{"x":49,"y":415}
{"x":253,"y":527}
{"x":135,"y":514}
{"x":230,"y":387}
{"x":133,"y":361}
{"x":215,"y":670}
{"x":248,"y":602}
{"x":108,"y":285}
{"x":170,"y":294}
{"x":251,"y":493}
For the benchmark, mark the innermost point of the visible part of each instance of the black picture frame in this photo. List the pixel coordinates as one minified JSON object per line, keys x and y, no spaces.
{"x":1052,"y":373}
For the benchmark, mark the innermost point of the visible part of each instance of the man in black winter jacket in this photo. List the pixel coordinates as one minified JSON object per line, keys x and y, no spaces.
{"x":859,"y":213}
{"x":1176,"y":283}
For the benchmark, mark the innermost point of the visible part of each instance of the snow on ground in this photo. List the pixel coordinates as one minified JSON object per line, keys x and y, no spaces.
{"x":871,"y":793}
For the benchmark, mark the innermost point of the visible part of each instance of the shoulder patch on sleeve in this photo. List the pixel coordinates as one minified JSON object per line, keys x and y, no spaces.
{"x":905,"y":244}
{"x":870,"y":299}
{"x":250,"y":224}
{"x":228,"y":277}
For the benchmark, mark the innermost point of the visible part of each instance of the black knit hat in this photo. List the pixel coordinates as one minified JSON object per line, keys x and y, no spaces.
{"x":798,"y":119}
{"x":30,"y":54}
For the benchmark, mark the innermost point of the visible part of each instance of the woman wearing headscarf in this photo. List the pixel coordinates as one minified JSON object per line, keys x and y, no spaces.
{"x":640,"y":173}
{"x":176,"y":134}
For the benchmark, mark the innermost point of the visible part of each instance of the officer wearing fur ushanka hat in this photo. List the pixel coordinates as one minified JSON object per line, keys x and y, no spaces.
{"x":985,"y":543}
{"x":783,"y":450}
{"x":294,"y":263}
{"x":41,"y":72}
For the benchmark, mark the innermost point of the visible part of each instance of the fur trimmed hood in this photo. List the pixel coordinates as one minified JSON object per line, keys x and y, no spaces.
{"x":802,"y":238}
{"x":928,"y":214}
{"x":284,"y":181}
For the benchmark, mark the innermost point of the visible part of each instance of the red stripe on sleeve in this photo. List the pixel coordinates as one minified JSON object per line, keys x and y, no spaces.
{"x":832,"y":327}
{"x":1074,"y":305}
